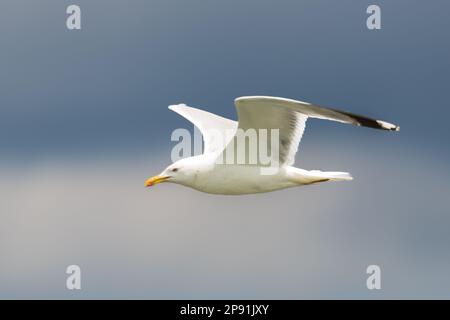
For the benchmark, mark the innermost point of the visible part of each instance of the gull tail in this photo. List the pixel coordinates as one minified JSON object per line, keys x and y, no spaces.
{"x":331,"y":175}
{"x":304,"y":177}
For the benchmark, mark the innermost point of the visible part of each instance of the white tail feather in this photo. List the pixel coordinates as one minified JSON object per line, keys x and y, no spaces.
{"x":331,"y":175}
{"x":304,"y":177}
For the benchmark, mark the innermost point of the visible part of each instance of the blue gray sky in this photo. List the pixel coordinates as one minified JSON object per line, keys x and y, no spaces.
{"x":84,"y":121}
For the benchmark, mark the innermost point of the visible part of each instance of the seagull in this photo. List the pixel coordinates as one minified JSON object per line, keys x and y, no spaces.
{"x":210,"y":174}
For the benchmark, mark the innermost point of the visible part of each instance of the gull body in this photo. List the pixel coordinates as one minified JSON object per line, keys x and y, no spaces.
{"x":207,"y":174}
{"x":204,"y":174}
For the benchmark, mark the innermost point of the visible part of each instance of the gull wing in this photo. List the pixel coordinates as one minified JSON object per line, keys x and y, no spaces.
{"x":289,"y":116}
{"x":215,"y":129}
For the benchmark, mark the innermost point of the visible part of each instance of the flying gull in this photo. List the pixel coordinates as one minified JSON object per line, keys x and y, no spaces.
{"x":217,"y":173}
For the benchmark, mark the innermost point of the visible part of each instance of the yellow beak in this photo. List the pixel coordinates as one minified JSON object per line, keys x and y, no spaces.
{"x":156,"y":179}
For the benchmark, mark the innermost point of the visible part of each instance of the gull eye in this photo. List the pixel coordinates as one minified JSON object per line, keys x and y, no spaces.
{"x":174,"y":170}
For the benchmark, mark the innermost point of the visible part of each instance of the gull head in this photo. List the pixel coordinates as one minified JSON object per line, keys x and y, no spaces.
{"x":182,"y":172}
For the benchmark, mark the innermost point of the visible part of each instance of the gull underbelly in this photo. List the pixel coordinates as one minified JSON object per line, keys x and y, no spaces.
{"x":241,"y":179}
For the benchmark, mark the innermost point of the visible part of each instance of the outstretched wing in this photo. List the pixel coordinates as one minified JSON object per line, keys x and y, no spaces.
{"x":289,"y":116}
{"x":214,"y":129}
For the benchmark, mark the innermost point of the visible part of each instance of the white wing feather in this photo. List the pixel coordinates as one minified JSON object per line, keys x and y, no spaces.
{"x":261,"y":112}
{"x":289,"y":116}
{"x":214,"y":128}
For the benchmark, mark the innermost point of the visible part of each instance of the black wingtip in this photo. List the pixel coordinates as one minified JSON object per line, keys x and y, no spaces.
{"x":372,"y":123}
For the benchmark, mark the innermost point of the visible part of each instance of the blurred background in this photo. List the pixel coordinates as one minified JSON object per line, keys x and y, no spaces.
{"x":84,"y":121}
